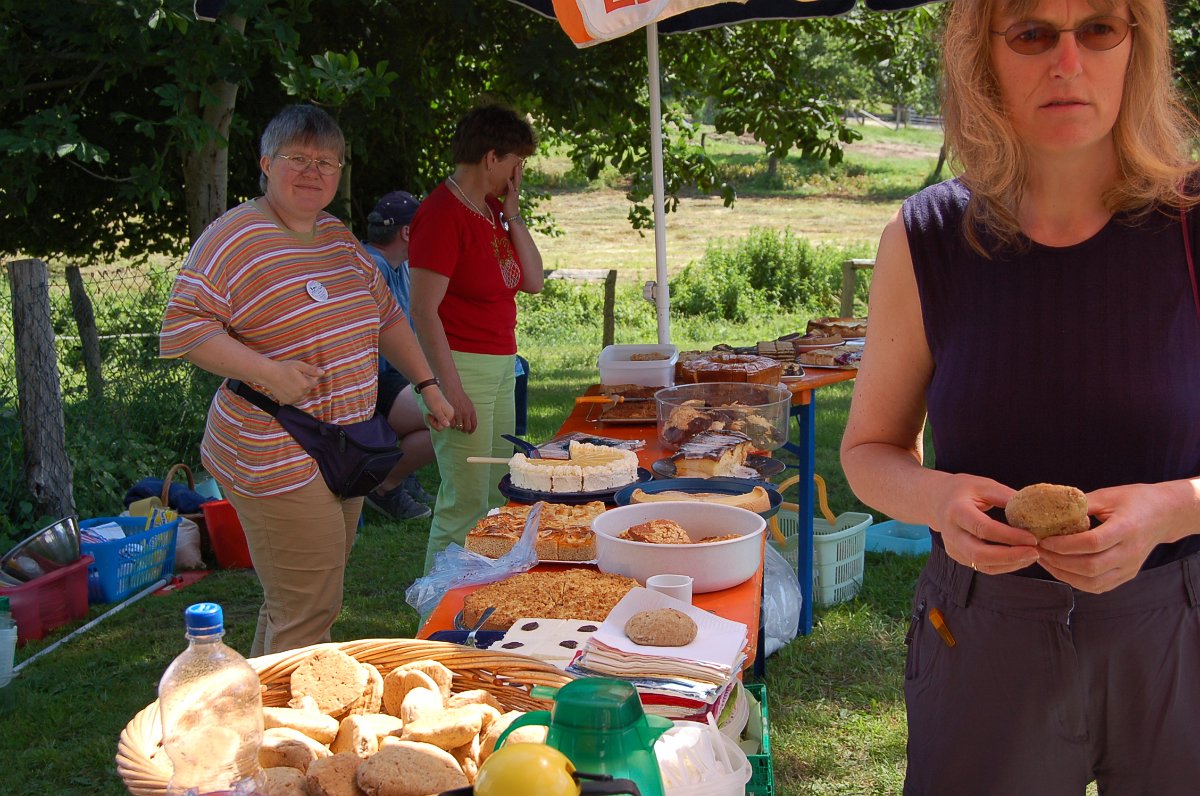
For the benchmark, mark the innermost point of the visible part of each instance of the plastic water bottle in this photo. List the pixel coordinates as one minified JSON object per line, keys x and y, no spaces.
{"x":211,"y":711}
{"x":8,"y":642}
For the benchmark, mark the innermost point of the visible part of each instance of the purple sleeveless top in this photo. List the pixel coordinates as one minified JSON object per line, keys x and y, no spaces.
{"x":1076,"y":365}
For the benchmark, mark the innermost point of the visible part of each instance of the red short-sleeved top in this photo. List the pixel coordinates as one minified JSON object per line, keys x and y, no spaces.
{"x":322,"y":301}
{"x":479,"y":310}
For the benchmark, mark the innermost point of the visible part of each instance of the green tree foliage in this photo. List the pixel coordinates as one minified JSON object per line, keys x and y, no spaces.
{"x":1185,"y":39}
{"x":120,"y":114}
{"x":762,"y":81}
{"x":101,"y":103}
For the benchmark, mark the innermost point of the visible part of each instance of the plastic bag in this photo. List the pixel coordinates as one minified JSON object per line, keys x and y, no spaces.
{"x":456,"y":566}
{"x":781,"y":601}
{"x":187,"y":546}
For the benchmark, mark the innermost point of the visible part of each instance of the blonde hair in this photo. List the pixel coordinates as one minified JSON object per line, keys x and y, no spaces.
{"x":1153,"y":133}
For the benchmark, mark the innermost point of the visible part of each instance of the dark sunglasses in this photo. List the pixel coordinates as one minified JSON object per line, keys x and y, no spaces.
{"x":1035,"y":38}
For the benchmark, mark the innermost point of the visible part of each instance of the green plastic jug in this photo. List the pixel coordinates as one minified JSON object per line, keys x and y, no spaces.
{"x":600,"y":725}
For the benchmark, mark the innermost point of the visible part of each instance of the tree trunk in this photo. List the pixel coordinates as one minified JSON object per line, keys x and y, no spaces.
{"x":937,"y":172}
{"x":39,"y":396}
{"x":89,"y":338}
{"x":772,"y":169}
{"x":342,"y":207}
{"x":206,"y":170}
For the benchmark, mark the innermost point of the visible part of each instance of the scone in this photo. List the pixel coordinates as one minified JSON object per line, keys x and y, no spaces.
{"x":661,"y":627}
{"x":331,"y":677}
{"x":410,"y":769}
{"x":334,"y":775}
{"x":1048,"y":510}
{"x":657,"y":532}
{"x":284,"y":781}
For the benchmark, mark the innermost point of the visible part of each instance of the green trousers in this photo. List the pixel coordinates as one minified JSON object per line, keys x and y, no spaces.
{"x":468,"y":490}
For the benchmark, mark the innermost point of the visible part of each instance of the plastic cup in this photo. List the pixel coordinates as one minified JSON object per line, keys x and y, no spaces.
{"x":677,"y":586}
{"x":8,"y":649}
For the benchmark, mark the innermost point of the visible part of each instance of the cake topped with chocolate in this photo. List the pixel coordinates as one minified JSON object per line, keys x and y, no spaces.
{"x":699,"y":416}
{"x":714,"y":453}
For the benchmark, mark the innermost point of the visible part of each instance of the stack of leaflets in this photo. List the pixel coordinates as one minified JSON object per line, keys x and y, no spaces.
{"x":685,"y":682}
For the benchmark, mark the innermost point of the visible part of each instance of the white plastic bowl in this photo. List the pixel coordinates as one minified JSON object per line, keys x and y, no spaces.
{"x":712,"y":565}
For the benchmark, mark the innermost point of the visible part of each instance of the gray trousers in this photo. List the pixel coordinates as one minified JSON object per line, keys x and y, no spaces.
{"x":1047,"y":688}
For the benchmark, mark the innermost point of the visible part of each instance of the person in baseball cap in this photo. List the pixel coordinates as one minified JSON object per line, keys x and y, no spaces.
{"x":393,"y":211}
{"x":400,"y":496}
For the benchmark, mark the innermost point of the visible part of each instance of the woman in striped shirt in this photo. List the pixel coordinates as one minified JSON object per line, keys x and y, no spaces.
{"x":279,"y":294}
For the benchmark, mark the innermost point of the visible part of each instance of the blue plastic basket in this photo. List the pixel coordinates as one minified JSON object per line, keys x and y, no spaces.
{"x":898,"y":537}
{"x":123,"y":566}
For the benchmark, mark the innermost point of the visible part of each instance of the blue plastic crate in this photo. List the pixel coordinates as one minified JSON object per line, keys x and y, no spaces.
{"x":893,"y":536}
{"x":124,"y":566}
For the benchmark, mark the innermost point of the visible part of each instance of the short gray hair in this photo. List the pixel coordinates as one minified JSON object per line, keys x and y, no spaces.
{"x":300,"y":124}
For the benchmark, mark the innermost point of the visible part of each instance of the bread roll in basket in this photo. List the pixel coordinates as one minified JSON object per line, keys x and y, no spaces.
{"x":506,"y":676}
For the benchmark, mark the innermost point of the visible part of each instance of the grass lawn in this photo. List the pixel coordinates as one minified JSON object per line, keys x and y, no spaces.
{"x":847,"y":205}
{"x":835,"y":696}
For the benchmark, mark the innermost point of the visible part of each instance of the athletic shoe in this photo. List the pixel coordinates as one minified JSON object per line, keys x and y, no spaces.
{"x":398,"y":504}
{"x":413,"y":487}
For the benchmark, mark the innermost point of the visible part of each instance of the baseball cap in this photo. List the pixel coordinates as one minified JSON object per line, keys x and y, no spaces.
{"x":395,"y":208}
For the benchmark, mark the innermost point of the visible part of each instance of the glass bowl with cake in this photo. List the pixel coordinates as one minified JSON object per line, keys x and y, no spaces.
{"x":758,"y":412}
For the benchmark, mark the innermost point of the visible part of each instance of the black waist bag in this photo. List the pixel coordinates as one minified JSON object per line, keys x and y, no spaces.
{"x":353,"y":459}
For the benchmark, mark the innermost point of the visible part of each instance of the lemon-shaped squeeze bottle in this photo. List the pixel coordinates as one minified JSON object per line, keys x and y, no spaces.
{"x":522,"y":769}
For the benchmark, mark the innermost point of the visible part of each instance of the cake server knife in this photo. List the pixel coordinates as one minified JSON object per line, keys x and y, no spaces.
{"x":528,"y":448}
{"x":609,"y":399}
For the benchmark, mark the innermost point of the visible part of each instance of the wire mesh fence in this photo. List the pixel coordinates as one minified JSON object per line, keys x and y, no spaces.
{"x":127,"y":413}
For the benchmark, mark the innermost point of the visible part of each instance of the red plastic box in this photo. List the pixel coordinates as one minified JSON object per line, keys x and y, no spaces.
{"x":50,"y":601}
{"x":226,"y":535}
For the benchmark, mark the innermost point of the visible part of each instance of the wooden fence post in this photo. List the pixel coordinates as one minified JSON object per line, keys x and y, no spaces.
{"x":89,"y":337}
{"x":39,"y":394}
{"x":610,"y":307}
{"x":593,"y":276}
{"x":849,"y":283}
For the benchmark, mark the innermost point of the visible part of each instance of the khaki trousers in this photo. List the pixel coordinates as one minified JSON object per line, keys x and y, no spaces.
{"x":299,"y":542}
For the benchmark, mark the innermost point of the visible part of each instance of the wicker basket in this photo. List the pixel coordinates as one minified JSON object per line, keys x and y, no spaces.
{"x":506,"y":676}
{"x":206,"y":553}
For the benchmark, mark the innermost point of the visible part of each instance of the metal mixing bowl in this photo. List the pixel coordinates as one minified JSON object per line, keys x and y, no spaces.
{"x":51,"y":548}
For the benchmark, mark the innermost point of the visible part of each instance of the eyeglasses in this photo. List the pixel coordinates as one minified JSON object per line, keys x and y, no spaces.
{"x":326,"y":168}
{"x":1035,"y":38}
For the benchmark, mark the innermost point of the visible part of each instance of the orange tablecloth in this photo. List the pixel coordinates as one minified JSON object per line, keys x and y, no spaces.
{"x":743,"y":602}
{"x":740,"y":604}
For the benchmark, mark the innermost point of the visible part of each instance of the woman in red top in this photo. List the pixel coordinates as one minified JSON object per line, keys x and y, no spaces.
{"x":469,"y":254}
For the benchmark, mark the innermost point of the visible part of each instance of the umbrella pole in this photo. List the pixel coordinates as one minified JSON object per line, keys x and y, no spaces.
{"x":662,"y":298}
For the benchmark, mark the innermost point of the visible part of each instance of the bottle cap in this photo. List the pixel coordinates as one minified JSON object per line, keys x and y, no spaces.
{"x":4,"y":605}
{"x":204,"y":619}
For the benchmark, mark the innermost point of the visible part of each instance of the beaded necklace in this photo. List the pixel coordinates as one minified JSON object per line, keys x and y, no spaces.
{"x":491,"y":219}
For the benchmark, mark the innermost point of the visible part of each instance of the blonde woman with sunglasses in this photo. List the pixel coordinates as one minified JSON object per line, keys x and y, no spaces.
{"x":1040,"y":313}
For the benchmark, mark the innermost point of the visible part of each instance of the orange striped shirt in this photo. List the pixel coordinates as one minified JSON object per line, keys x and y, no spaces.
{"x":321,"y":301}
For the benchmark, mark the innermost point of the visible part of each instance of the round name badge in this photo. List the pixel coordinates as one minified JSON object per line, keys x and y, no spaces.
{"x":316,"y":291}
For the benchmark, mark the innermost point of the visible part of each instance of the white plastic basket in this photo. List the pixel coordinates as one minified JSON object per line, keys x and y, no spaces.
{"x":838,"y":549}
